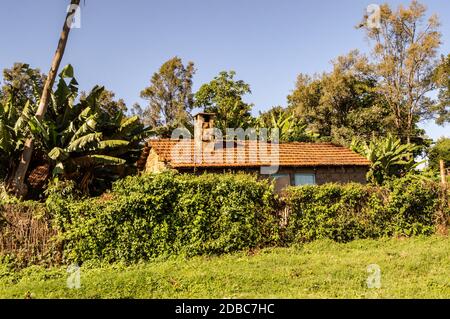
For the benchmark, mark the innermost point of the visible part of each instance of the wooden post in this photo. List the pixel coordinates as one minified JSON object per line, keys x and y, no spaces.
{"x":442,"y":169}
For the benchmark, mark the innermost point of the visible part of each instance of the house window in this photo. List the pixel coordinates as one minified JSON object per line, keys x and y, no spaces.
{"x":304,"y":179}
{"x":281,"y":181}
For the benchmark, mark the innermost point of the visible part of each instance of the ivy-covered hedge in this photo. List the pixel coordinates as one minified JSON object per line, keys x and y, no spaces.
{"x":148,"y":216}
{"x":156,"y":215}
{"x":405,"y":207}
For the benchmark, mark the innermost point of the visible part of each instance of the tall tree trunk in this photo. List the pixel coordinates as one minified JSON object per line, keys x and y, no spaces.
{"x":18,"y":183}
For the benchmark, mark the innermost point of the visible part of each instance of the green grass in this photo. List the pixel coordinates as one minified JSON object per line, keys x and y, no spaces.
{"x":410,"y":268}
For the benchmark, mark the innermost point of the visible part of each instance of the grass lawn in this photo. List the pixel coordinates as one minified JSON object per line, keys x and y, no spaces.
{"x":410,"y":268}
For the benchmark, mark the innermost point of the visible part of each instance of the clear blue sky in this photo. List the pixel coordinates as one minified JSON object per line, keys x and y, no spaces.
{"x":267,"y":42}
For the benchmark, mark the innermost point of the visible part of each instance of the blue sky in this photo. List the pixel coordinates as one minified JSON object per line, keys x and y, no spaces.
{"x":267,"y":42}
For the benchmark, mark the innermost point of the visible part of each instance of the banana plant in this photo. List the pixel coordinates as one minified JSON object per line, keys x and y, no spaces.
{"x":82,"y":141}
{"x":13,"y":132}
{"x":389,"y":157}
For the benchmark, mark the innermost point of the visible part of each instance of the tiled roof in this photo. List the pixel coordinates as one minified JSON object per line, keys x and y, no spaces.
{"x":182,"y":154}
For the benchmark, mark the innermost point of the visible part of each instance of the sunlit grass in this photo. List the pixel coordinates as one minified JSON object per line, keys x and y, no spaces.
{"x":410,"y":268}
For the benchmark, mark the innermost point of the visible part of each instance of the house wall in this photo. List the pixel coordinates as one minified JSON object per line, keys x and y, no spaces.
{"x":341,"y":174}
{"x":323,"y":174}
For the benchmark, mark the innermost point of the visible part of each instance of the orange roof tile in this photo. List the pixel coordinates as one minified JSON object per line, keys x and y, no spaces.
{"x":184,"y":153}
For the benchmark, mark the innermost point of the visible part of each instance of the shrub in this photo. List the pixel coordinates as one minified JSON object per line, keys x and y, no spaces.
{"x":404,"y":207}
{"x":160,"y":214}
{"x":414,"y":204}
{"x":339,"y":212}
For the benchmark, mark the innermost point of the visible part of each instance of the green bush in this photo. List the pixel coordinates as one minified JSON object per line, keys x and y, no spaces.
{"x":160,"y":214}
{"x":414,"y":205}
{"x":404,"y":207}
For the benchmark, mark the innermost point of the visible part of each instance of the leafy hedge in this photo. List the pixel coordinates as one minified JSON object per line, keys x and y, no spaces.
{"x":404,"y":207}
{"x":156,"y":215}
{"x":148,"y":216}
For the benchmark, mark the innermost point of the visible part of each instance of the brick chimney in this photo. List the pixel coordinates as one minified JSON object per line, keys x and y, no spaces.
{"x":203,"y":135}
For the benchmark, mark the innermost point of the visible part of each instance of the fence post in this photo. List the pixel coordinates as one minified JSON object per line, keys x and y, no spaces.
{"x":442,"y":169}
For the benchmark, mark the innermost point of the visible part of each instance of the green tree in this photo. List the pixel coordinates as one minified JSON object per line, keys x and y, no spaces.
{"x":442,"y":80}
{"x":405,"y":48}
{"x":169,"y":94}
{"x":82,"y":141}
{"x":265,"y":118}
{"x":19,"y":96}
{"x":21,"y":84}
{"x":224,"y":97}
{"x":343,"y":103}
{"x":439,"y":151}
{"x":107,"y":102}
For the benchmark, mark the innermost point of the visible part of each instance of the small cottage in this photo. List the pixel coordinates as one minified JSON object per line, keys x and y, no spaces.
{"x":292,"y":163}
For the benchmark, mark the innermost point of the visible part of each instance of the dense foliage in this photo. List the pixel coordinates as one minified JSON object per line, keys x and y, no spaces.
{"x":407,"y":206}
{"x":168,"y":214}
{"x":155,"y":215}
{"x":150,"y":216}
{"x":19,"y":95}
{"x":91,"y":142}
{"x":343,"y":103}
{"x":388,"y":156}
{"x":83,"y":137}
{"x":169,"y":94}
{"x":290,"y":127}
{"x":439,"y":151}
{"x":224,"y":97}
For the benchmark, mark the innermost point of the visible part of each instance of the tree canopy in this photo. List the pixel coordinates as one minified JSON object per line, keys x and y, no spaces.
{"x":21,"y":83}
{"x":169,"y":95}
{"x":342,"y":103}
{"x":442,"y":80}
{"x":224,"y":97}
{"x":405,"y":50}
